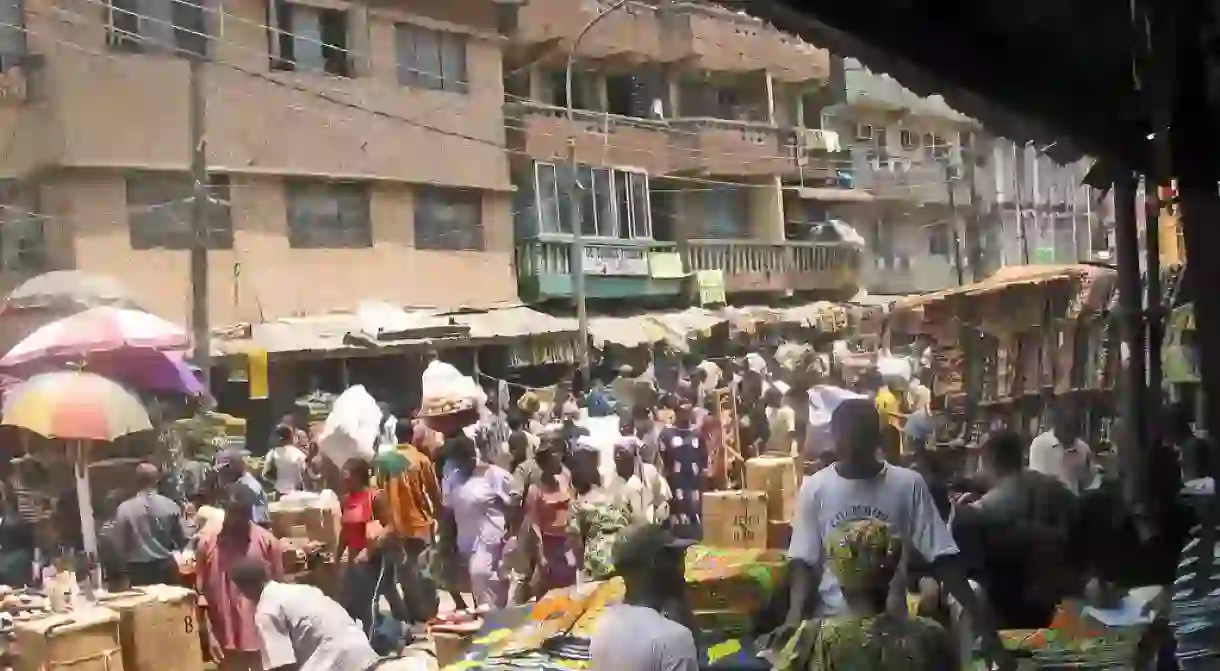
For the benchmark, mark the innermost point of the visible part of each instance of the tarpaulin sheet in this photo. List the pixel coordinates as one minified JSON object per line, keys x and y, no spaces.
{"x":724,"y":585}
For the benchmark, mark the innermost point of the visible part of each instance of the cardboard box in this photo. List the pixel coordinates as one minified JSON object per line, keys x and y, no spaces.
{"x":158,"y":623}
{"x":777,"y":478}
{"x":779,"y":535}
{"x":285,"y":519}
{"x":84,"y":640}
{"x":735,"y":519}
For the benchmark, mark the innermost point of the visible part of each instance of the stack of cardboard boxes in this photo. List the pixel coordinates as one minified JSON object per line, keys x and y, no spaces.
{"x":758,"y":517}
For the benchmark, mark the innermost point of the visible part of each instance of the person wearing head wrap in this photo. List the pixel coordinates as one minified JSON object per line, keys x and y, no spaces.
{"x":597,"y":514}
{"x":685,"y":460}
{"x":639,"y":484}
{"x":864,"y":556}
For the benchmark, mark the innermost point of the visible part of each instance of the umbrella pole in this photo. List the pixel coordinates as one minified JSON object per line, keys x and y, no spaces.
{"x":88,"y":526}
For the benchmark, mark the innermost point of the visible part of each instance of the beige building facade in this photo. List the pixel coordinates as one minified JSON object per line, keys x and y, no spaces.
{"x":355,"y":151}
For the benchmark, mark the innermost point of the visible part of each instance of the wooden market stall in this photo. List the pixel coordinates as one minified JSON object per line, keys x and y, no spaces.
{"x":1002,"y":348}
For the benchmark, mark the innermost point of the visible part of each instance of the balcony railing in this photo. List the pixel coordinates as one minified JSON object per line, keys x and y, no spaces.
{"x":542,"y":132}
{"x":728,"y":147}
{"x":612,"y":268}
{"x":751,"y":266}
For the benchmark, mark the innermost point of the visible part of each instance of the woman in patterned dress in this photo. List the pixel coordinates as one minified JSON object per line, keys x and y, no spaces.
{"x":864,"y":556}
{"x":596,"y":517}
{"x":684,"y":457}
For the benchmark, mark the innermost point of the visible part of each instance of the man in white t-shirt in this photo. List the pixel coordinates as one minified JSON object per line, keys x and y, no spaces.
{"x":1061,"y":453}
{"x":300,"y":627}
{"x":781,"y":424}
{"x":861,"y":486}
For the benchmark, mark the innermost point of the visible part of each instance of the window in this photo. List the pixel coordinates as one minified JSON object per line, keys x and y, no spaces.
{"x":12,"y":33}
{"x":22,"y":238}
{"x":881,"y":139}
{"x":308,"y":39}
{"x":448,"y":219}
{"x":328,"y":215}
{"x":431,"y":59}
{"x":864,"y":132}
{"x":159,"y":211}
{"x":157,"y":26}
{"x":613,"y":203}
{"x":909,"y":140}
{"x":939,"y":240}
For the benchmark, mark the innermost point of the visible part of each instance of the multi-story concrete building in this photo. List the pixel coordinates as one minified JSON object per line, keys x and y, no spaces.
{"x":941,"y":198}
{"x":687,"y":124}
{"x":355,"y":150}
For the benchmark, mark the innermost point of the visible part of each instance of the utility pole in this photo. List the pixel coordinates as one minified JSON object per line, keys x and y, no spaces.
{"x":577,"y":261}
{"x":957,"y":240}
{"x":975,"y":225}
{"x":200,"y":324}
{"x":1018,"y":192}
{"x":577,"y":257}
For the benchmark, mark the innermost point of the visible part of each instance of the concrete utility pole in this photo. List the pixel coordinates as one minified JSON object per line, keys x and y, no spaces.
{"x":200,"y":324}
{"x":957,"y":240}
{"x":577,"y":258}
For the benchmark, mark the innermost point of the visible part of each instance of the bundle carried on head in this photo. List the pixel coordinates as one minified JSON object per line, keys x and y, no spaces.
{"x":445,"y":391}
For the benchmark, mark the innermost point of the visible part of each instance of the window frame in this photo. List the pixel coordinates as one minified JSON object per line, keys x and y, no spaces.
{"x":282,"y":39}
{"x":294,"y":188}
{"x":414,"y":76}
{"x":126,"y":40}
{"x":629,"y":222}
{"x":142,"y":217}
{"x":478,"y":234}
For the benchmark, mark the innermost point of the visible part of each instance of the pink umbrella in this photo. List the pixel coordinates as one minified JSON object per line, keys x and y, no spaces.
{"x":100,"y":329}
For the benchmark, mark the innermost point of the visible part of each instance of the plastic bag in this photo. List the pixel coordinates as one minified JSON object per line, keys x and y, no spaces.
{"x":352,"y":428}
{"x":890,"y":366}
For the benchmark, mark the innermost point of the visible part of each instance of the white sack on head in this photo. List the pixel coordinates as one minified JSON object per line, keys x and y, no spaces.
{"x":890,"y":366}
{"x":352,"y":428}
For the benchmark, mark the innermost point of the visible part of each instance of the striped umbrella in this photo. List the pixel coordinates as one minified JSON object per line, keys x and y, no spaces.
{"x":101,"y":329}
{"x":72,"y":405}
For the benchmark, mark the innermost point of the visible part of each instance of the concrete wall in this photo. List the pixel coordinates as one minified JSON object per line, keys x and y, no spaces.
{"x":262,"y":277}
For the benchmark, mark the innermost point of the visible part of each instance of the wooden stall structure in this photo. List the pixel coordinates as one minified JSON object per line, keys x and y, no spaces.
{"x":1004,"y":347}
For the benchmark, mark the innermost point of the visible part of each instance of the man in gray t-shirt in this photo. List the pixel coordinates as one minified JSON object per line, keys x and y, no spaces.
{"x":149,"y":529}
{"x":636,"y":635}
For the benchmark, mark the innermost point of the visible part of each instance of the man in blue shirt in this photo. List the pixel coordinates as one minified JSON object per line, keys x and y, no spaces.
{"x":232,"y":468}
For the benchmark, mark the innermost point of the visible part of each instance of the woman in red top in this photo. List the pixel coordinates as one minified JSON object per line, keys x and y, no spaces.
{"x":368,"y":576}
{"x":546,"y":517}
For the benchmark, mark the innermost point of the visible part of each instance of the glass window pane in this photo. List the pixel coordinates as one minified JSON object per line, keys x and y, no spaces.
{"x":453,"y":61}
{"x":607,"y":222}
{"x":588,"y":204}
{"x":549,"y":220}
{"x":641,"y":220}
{"x":307,"y":42}
{"x":622,"y":204}
{"x":428,"y":57}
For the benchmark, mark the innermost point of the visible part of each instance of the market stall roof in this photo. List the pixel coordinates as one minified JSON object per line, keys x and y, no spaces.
{"x":349,"y":334}
{"x":672,"y":328}
{"x":1007,"y":277}
{"x":1081,"y":101}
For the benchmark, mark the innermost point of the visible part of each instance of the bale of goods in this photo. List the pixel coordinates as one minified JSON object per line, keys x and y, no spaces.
{"x":158,"y":623}
{"x":84,"y":640}
{"x":777,"y":478}
{"x":735,"y":519}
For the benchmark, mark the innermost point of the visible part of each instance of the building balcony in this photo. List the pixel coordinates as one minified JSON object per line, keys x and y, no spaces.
{"x":761,"y":267}
{"x":543,"y":131}
{"x":613,"y":269}
{"x":725,"y":147}
{"x":921,"y":184}
{"x":721,"y":40}
{"x":632,"y":33}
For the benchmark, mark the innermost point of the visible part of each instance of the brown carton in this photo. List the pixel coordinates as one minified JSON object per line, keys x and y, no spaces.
{"x":735,"y":519}
{"x":779,"y":535}
{"x":84,"y":640}
{"x":286,"y":520}
{"x":777,"y":478}
{"x":158,"y":623}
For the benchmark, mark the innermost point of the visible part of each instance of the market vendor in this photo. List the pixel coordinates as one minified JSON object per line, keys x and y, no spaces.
{"x":149,"y":530}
